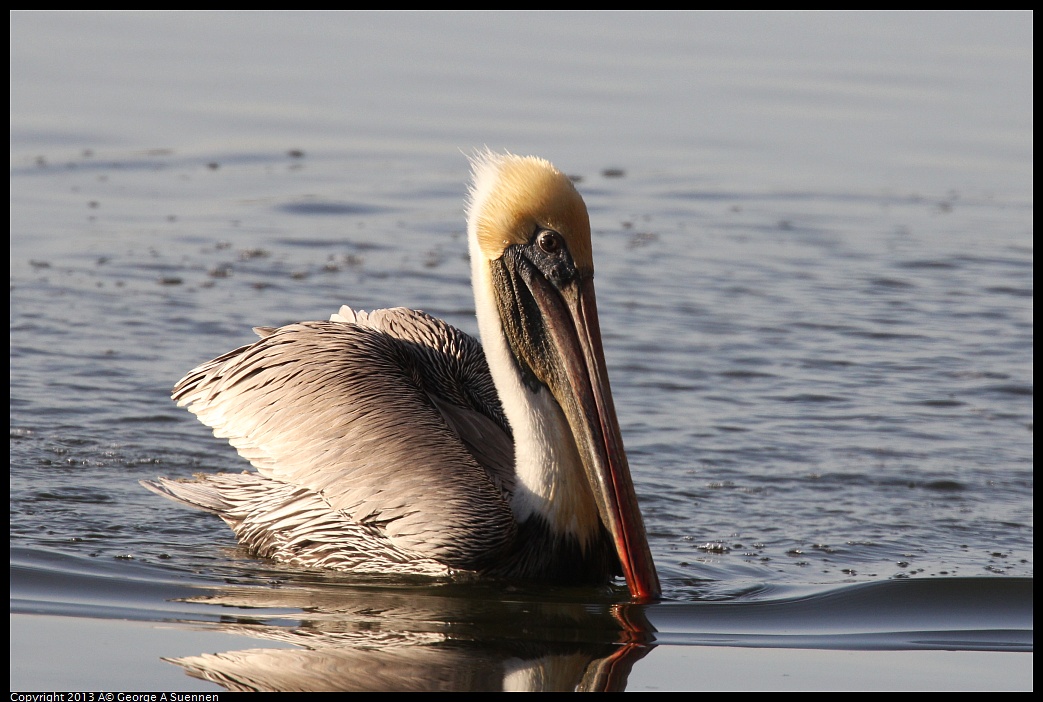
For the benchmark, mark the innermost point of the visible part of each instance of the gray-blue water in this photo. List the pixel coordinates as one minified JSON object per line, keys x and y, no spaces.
{"x":813,"y":244}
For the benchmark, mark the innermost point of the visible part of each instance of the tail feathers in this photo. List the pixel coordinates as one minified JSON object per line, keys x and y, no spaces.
{"x":293,"y":524}
{"x":200,"y":494}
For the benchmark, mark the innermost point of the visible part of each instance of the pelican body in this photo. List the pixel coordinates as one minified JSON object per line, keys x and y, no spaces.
{"x":390,"y":441}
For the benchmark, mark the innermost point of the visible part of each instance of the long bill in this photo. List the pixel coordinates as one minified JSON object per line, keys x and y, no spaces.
{"x":582,"y":389}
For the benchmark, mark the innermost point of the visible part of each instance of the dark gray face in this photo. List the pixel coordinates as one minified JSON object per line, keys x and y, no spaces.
{"x":541,"y":270}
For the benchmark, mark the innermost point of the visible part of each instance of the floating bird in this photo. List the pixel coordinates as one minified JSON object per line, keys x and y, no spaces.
{"x":391,"y":442}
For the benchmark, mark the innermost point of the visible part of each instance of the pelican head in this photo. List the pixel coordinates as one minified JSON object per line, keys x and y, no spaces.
{"x":529,"y":236}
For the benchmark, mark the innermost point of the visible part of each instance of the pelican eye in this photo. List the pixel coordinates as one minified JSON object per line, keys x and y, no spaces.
{"x":549,"y":241}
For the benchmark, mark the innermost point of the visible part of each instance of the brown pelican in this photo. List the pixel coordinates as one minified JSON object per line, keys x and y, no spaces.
{"x":390,"y":442}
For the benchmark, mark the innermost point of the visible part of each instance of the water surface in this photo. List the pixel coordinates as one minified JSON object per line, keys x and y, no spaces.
{"x":813,"y":242}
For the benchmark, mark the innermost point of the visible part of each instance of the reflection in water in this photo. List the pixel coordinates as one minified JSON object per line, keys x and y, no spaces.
{"x":380,"y":638}
{"x":468,"y":667}
{"x":398,"y":633}
{"x":376,"y":640}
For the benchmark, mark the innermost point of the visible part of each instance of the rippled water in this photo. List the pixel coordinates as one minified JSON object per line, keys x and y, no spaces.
{"x":814,"y":271}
